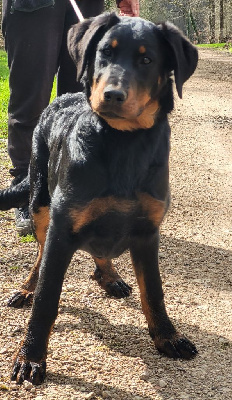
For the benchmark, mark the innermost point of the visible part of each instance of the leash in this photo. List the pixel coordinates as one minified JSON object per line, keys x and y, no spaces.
{"x":77,"y":10}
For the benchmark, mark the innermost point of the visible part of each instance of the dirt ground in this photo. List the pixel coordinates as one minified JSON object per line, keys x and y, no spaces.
{"x":100,"y":347}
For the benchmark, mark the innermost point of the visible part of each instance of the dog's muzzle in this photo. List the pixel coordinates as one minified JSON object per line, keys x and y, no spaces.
{"x":114,"y":96}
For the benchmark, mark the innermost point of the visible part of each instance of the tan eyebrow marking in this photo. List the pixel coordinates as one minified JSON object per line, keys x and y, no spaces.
{"x":142,"y":49}
{"x":114,"y":43}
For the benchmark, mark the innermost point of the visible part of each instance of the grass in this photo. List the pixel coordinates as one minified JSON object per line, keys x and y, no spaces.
{"x":15,"y":267}
{"x":219,"y":46}
{"x":27,"y":239}
{"x":5,"y":93}
{"x":212,"y":45}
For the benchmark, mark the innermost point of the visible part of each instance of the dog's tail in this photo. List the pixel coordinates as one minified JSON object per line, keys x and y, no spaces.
{"x":15,"y":196}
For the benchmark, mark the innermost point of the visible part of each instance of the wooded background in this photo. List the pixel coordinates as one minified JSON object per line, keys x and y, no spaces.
{"x":203,"y":21}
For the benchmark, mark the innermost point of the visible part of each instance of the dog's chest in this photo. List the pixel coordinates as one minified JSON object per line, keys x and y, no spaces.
{"x":106,"y":226}
{"x":127,"y":161}
{"x":111,"y":198}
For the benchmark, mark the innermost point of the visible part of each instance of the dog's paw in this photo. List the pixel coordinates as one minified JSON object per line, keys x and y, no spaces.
{"x":111,"y":282}
{"x":118,"y":289}
{"x":30,"y":371}
{"x":20,"y":299}
{"x":177,"y":347}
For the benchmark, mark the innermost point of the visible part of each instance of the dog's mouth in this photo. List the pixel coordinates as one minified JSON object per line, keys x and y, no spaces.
{"x":118,"y":114}
{"x":110,"y":115}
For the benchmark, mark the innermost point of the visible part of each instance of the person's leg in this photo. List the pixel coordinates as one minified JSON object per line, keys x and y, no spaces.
{"x":33,"y":41}
{"x":67,"y":69}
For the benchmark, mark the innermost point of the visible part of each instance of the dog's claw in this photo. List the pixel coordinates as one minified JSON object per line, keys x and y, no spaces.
{"x":30,"y":371}
{"x":38,"y":373}
{"x":15,"y":371}
{"x":185,"y":348}
{"x":20,"y":299}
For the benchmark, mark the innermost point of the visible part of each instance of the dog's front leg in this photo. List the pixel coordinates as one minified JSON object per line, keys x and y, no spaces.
{"x":30,"y":362}
{"x":144,"y":253}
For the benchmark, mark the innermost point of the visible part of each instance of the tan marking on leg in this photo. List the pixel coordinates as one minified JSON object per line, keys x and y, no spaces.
{"x":30,"y":283}
{"x":41,"y":221}
{"x":155,"y":209}
{"x":144,"y":301}
{"x":155,"y":320}
{"x":108,"y":271}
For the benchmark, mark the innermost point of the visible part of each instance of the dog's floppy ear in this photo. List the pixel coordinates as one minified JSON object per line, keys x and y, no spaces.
{"x":84,"y":37}
{"x":181,"y":55}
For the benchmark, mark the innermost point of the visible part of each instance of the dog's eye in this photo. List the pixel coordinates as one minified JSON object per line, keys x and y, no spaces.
{"x":107,"y":51}
{"x":146,"y":60}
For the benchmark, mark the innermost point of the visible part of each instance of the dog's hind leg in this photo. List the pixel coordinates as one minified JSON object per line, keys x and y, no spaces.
{"x":24,"y":296}
{"x":39,"y":211}
{"x":108,"y":278}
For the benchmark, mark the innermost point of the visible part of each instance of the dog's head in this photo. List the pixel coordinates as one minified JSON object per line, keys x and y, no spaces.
{"x":125,"y":64}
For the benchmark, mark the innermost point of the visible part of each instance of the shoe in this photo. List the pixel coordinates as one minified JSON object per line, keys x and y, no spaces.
{"x":23,"y":221}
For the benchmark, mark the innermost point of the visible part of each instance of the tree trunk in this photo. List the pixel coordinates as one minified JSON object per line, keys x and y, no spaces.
{"x":221,"y":22}
{"x":212,"y":20}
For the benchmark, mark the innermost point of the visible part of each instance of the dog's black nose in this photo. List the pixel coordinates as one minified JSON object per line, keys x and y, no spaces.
{"x":114,"y":96}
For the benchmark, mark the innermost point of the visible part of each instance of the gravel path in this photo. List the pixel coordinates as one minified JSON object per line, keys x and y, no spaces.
{"x":100,"y":347}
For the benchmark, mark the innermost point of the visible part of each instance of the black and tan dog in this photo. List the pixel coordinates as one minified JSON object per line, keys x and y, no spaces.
{"x":99,"y":175}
